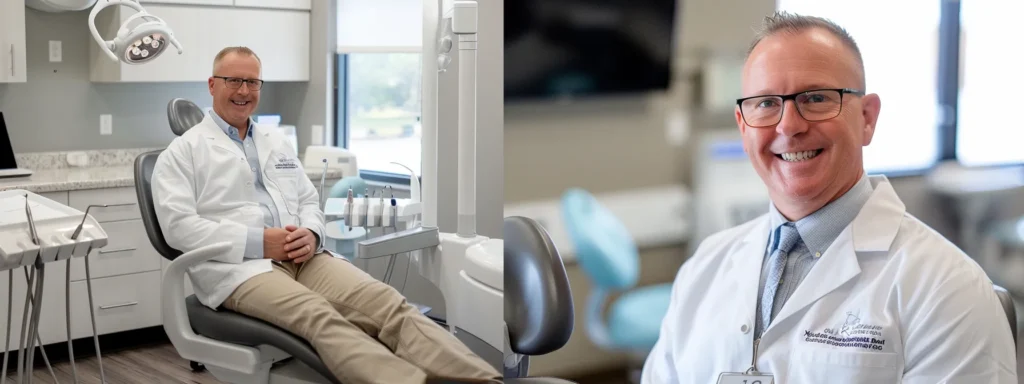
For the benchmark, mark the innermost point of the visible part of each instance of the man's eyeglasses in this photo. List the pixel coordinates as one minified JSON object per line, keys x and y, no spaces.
{"x":815,"y":105}
{"x":236,"y":82}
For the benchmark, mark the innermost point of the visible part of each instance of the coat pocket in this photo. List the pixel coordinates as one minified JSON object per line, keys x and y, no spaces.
{"x":827,"y":365}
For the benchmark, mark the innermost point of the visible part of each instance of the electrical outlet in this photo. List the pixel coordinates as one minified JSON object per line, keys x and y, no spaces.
{"x":56,"y":54}
{"x":106,"y":125}
{"x":317,"y":135}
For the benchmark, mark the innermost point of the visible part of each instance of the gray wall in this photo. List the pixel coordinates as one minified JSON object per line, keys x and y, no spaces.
{"x":58,"y":109}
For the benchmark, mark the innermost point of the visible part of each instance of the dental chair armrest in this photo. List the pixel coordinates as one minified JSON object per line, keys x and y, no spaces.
{"x":178,"y":328}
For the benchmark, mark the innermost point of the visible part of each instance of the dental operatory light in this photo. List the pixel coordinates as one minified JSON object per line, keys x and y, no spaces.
{"x":141,"y":38}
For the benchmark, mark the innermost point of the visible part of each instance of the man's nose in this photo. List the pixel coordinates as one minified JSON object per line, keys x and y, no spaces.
{"x":792,"y":123}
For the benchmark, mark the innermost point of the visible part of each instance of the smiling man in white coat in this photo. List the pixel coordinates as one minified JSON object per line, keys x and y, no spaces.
{"x":229,"y":179}
{"x":837,"y":283}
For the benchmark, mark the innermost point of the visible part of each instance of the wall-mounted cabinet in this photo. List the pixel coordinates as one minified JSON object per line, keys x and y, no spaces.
{"x":13,"y":67}
{"x":281,"y":38}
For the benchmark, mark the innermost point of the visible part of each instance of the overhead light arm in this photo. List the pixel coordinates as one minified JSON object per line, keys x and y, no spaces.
{"x":134,"y":44}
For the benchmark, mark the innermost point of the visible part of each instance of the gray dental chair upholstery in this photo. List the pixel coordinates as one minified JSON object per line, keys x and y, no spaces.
{"x":183,"y":115}
{"x":538,"y":301}
{"x":222,"y":324}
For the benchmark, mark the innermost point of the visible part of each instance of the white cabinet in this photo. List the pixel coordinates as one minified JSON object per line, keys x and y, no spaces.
{"x":281,"y":38}
{"x":13,"y":65}
{"x":280,"y":4}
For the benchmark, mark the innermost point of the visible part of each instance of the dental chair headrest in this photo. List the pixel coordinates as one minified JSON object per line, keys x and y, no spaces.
{"x":538,"y":300}
{"x":183,"y":114}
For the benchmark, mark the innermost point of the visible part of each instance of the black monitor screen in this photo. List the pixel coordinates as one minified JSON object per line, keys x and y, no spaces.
{"x":572,"y":48}
{"x":6,"y":150}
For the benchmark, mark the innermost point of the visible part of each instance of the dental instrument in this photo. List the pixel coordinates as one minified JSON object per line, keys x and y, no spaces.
{"x":323,"y":179}
{"x":51,"y":236}
{"x":366,"y":207}
{"x":88,"y":286}
{"x":348,"y":210}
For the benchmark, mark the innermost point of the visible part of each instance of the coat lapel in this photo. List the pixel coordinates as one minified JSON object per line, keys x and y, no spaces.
{"x":873,"y":230}
{"x":745,"y":266}
{"x":264,"y":146}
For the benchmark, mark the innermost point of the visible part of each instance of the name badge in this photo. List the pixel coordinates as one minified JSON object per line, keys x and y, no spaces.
{"x":745,"y":378}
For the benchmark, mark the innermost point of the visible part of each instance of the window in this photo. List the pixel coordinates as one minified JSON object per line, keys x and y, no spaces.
{"x":899,"y":43}
{"x":988,"y":130}
{"x":378,"y":86}
{"x":383,"y":110}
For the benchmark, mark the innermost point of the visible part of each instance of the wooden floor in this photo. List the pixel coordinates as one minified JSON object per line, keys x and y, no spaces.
{"x":156,"y":364}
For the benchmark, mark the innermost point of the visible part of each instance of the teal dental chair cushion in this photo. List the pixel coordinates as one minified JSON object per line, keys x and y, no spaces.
{"x":604,"y":248}
{"x":340,"y":189}
{"x":635,"y":318}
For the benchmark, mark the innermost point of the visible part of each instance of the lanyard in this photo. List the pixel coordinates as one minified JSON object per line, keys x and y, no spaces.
{"x":753,"y":358}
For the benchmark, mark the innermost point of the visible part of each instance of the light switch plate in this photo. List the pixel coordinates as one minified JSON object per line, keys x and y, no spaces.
{"x":56,"y":54}
{"x":106,"y":125}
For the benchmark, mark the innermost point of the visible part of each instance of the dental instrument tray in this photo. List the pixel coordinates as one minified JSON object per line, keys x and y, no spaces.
{"x":43,"y":229}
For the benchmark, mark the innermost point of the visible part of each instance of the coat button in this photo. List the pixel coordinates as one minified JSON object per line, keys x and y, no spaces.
{"x":744,"y":328}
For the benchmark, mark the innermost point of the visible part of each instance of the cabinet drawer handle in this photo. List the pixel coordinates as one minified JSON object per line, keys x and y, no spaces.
{"x":12,"y":60}
{"x":119,"y":305}
{"x":116,"y":250}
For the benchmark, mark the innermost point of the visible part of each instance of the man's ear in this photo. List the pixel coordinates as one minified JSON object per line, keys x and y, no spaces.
{"x":209,"y":83}
{"x":871,"y":105}
{"x":739,"y":121}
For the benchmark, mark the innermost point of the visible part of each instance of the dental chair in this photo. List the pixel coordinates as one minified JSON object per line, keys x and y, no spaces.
{"x":609,"y":257}
{"x":538,"y":301}
{"x":234,"y":347}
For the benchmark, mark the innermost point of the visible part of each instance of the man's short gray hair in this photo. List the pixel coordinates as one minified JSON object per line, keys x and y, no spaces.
{"x":786,"y":22}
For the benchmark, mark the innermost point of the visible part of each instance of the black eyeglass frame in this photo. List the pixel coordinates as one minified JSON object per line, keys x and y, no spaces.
{"x":793,"y":96}
{"x":247,"y":82}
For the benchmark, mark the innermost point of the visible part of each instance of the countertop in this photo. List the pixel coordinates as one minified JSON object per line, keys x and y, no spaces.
{"x":71,"y":179}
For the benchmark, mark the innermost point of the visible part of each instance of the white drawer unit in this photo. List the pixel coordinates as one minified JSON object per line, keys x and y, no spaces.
{"x":121,"y":303}
{"x":81,"y":200}
{"x":128,"y":251}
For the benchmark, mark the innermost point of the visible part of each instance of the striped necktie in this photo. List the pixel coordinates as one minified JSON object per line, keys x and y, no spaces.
{"x":786,"y":238}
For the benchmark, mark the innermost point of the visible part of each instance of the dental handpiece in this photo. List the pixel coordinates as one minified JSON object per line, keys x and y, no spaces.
{"x":366,"y":207}
{"x":31,"y":222}
{"x":88,"y":287}
{"x":348,"y":209}
{"x":78,"y":231}
{"x":394,"y":211}
{"x":323,"y":179}
{"x":380,"y":212}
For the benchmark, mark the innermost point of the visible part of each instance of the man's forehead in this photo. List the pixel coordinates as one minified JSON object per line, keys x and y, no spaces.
{"x":792,"y":62}
{"x":236,"y":63}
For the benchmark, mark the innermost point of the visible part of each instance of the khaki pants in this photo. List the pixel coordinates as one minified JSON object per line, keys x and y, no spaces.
{"x":363,"y":329}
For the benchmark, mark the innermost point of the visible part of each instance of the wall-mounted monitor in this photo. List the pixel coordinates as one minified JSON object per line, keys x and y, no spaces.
{"x":586,"y":48}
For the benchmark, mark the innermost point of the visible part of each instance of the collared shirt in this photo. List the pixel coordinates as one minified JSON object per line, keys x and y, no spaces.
{"x":254,"y":242}
{"x":817,"y":232}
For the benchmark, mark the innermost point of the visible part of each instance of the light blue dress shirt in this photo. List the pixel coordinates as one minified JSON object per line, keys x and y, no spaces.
{"x":817,"y":232}
{"x":254,"y":242}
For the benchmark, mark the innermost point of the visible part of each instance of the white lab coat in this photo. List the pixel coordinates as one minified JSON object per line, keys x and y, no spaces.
{"x":202,"y":192}
{"x":930,"y":310}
